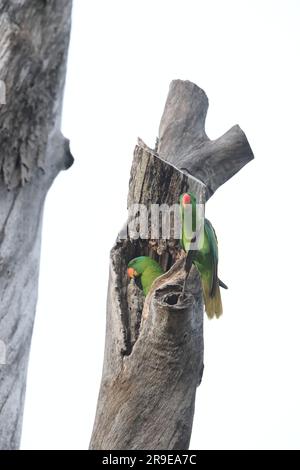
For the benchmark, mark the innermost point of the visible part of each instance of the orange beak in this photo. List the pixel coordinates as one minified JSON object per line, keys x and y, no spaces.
{"x":131,"y":273}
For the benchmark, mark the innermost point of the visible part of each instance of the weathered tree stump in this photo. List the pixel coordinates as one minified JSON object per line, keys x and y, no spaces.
{"x":34,"y":37}
{"x":153,"y":359}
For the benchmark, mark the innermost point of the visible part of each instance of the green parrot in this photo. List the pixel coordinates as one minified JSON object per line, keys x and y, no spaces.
{"x":205,"y":258}
{"x":145,"y":268}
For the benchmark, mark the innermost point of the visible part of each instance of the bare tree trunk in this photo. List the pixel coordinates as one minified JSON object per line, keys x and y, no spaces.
{"x":153,"y":359}
{"x":34,"y":38}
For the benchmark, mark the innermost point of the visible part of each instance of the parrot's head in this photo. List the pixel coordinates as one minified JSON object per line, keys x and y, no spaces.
{"x":186,"y":199}
{"x":188,"y":210}
{"x":136,"y":266}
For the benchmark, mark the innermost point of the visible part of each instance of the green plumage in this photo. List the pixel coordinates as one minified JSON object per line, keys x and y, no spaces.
{"x":147,"y":269}
{"x":204,"y":255}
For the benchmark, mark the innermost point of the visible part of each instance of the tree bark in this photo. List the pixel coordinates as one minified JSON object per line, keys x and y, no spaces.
{"x":154,"y":350}
{"x":153,"y":358}
{"x":184,"y":143}
{"x":34,"y":38}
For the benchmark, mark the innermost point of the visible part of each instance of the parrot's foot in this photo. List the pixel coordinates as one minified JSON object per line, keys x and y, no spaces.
{"x":182,"y":297}
{"x":183,"y":294}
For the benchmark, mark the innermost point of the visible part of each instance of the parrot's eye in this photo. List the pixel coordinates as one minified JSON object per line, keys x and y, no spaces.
{"x":186,"y":199}
{"x":131,"y":273}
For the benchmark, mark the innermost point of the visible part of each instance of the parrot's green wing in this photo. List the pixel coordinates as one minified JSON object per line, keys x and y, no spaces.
{"x":213,"y":254}
{"x":149,"y":275}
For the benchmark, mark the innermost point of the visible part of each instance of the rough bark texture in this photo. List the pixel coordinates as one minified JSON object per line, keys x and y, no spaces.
{"x":154,"y":350}
{"x":153,"y":359}
{"x":184,"y":143}
{"x":34,"y":37}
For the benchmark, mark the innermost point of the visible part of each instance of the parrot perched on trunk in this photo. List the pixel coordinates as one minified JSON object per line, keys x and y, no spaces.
{"x":204,"y":257}
{"x":145,"y":268}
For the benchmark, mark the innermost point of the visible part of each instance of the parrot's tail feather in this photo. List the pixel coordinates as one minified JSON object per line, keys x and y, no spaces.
{"x":222,"y":284}
{"x":213,"y":305}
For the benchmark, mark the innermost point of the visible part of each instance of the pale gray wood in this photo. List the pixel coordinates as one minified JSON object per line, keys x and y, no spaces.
{"x":34,"y":37}
{"x":184,"y":143}
{"x":153,"y":358}
{"x":147,"y":397}
{"x":151,"y":370}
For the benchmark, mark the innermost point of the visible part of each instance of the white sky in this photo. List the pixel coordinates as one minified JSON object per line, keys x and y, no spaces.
{"x":123,"y":55}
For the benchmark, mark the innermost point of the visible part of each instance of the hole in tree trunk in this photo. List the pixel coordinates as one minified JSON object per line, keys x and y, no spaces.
{"x":172,"y":299}
{"x":166,"y":253}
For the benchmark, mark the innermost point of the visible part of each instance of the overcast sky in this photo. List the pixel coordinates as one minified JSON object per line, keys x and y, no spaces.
{"x":123,"y":55}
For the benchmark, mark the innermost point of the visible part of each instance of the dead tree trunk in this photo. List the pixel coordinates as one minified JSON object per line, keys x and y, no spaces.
{"x":153,"y":359}
{"x":34,"y":37}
